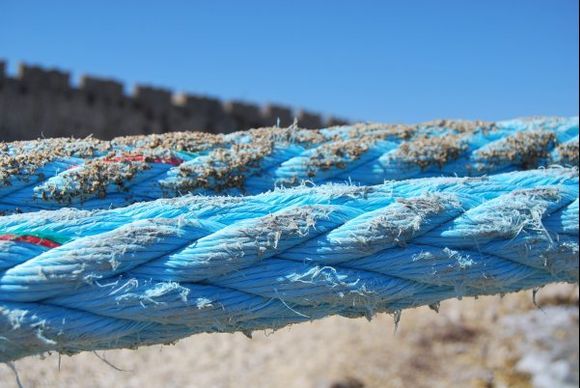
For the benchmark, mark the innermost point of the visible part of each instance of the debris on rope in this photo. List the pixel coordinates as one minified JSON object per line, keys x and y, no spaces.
{"x":73,"y":280}
{"x":88,"y":173}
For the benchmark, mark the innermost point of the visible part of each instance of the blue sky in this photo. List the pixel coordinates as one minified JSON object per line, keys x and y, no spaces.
{"x":403,"y":61}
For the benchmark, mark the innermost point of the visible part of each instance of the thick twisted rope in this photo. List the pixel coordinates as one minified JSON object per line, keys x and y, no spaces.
{"x":74,"y":280}
{"x":93,"y":174}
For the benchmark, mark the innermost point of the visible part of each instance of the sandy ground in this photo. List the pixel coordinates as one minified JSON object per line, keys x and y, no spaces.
{"x":488,"y":342}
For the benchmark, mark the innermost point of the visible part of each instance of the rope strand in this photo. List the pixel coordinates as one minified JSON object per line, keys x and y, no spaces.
{"x":158,"y":271}
{"x":50,"y":174}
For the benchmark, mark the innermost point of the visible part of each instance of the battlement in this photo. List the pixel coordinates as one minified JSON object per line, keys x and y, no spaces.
{"x":35,"y":77}
{"x":2,"y":70}
{"x":101,"y":88}
{"x":43,"y":102}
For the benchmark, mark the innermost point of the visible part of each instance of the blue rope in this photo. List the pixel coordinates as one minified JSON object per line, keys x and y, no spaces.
{"x":73,"y":280}
{"x":93,"y":174}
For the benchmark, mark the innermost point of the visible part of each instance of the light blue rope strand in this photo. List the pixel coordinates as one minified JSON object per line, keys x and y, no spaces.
{"x":159,"y":271}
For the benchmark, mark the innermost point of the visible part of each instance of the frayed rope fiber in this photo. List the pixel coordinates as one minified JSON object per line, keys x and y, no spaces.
{"x":89,"y":174}
{"x":154,"y":272}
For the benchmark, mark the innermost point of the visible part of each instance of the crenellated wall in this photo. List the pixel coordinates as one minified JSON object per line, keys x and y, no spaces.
{"x":43,"y":102}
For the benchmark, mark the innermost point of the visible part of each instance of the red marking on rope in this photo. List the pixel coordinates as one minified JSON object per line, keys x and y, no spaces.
{"x":30,"y":239}
{"x":174,"y":161}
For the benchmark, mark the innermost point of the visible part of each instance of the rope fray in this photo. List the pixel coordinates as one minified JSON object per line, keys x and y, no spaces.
{"x":158,"y":271}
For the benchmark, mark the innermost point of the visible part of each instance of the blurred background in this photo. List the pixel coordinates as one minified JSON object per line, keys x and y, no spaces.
{"x":109,"y":68}
{"x":112,"y":68}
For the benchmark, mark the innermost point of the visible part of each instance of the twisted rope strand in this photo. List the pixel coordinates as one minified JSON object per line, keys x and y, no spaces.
{"x":96,"y":174}
{"x":159,"y":271}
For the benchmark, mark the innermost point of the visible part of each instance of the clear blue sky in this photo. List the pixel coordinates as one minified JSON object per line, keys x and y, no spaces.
{"x":402,"y":61}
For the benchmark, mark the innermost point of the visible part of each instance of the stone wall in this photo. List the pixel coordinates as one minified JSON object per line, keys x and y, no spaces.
{"x":40,"y":102}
